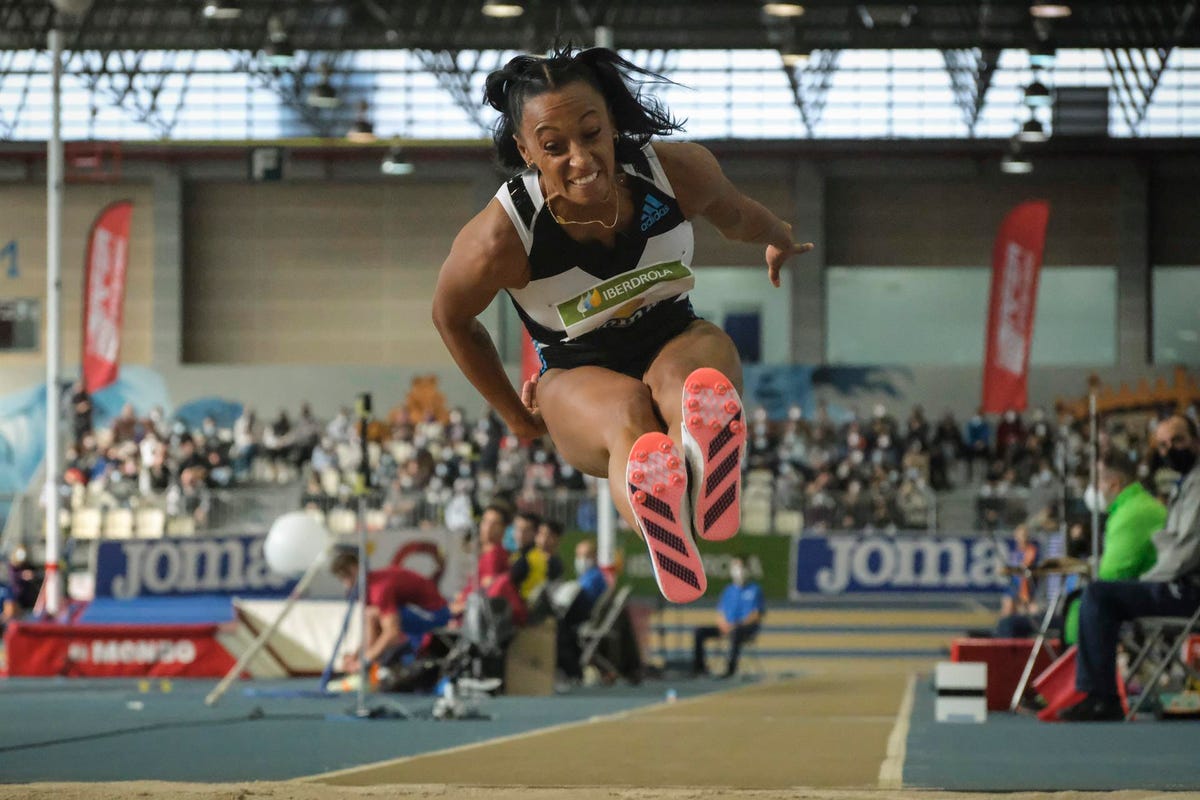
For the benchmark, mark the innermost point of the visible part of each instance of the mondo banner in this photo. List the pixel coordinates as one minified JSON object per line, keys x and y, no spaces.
{"x":854,"y":563}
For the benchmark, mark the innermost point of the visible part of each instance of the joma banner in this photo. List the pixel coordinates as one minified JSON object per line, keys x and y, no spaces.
{"x":849,"y":563}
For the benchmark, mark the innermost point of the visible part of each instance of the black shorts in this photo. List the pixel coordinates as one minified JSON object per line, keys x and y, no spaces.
{"x":628,"y":348}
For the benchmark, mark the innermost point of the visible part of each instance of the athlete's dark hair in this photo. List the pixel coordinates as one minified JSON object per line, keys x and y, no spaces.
{"x":637,"y":116}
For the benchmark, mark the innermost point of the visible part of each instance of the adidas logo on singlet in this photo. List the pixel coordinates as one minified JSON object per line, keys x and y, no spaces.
{"x":652,"y":211}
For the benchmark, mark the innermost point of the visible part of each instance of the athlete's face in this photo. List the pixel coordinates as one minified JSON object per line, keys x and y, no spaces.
{"x":568,"y":135}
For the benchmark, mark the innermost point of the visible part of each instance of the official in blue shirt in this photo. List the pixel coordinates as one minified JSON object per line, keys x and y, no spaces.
{"x":739,"y":614}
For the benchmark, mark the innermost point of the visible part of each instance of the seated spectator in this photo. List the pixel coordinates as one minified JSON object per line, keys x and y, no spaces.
{"x":1133,"y":517}
{"x":24,"y":584}
{"x":740,"y":612}
{"x":402,"y":606}
{"x":491,"y":574}
{"x":591,"y":584}
{"x":1170,"y":589}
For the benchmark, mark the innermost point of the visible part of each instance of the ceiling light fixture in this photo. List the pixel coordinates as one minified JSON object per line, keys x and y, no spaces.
{"x":362,"y":131}
{"x":499,"y":10}
{"x":1037,"y":95}
{"x":795,"y":56}
{"x":783,"y":9}
{"x":222,"y":9}
{"x":1045,"y":10}
{"x":1032,"y":131}
{"x":323,"y":94}
{"x":1016,"y":164}
{"x":395,"y":162}
{"x":277,"y":52}
{"x":1042,"y":57}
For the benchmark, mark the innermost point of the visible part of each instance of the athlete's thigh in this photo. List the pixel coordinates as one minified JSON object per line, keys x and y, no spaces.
{"x":588,"y":408}
{"x":701,"y":344}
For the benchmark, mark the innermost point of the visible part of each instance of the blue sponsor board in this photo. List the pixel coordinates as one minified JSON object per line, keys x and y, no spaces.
{"x":882,"y":564}
{"x":232,"y":565}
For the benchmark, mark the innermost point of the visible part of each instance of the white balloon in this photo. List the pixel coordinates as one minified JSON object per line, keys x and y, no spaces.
{"x":294,"y":543}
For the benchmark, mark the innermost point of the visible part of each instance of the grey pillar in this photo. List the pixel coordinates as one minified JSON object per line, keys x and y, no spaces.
{"x":808,"y":270}
{"x":1133,"y":266}
{"x":166,"y":347}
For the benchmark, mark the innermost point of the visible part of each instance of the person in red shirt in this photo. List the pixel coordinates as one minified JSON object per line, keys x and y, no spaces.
{"x":492,"y":574}
{"x":402,"y":606}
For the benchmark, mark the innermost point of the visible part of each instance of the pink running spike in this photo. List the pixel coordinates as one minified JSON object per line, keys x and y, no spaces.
{"x":714,"y":438}
{"x":658,"y":493}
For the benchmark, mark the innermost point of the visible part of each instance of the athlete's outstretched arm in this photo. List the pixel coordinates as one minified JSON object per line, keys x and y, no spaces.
{"x":703,"y":190}
{"x":486,"y":257}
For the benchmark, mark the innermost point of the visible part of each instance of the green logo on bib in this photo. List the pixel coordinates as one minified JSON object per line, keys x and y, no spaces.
{"x":618,"y":291}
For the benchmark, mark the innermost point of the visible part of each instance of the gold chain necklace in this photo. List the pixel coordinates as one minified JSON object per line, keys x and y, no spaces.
{"x":600,"y":222}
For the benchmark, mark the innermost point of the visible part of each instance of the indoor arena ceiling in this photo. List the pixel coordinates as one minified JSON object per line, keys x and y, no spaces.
{"x":343,"y":25}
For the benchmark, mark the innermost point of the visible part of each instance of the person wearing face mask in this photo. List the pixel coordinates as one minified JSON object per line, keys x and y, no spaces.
{"x":590,"y":585}
{"x":592,"y":240}
{"x":1171,"y":588}
{"x":1133,"y":517}
{"x":740,"y":613}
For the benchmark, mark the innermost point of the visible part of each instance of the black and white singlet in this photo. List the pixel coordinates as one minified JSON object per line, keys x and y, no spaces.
{"x":589,"y":304}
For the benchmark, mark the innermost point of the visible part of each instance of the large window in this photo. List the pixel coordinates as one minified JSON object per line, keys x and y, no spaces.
{"x":937,"y":316}
{"x":1177,"y":315}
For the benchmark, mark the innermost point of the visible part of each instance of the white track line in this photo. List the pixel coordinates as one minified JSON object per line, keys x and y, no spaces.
{"x":891,"y":770}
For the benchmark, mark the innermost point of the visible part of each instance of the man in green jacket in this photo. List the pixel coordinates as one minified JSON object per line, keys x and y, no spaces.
{"x":1134,"y":515}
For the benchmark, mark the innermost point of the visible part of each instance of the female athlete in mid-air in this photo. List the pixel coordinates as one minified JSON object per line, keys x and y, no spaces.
{"x":592,"y":240}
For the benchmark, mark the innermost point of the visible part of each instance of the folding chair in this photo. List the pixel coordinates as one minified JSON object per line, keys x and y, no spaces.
{"x":751,"y":657}
{"x":86,"y":523}
{"x":1164,"y":645}
{"x":600,"y":627}
{"x":118,"y":523}
{"x":150,"y":522}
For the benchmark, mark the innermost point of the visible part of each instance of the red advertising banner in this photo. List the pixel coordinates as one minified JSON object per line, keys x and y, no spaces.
{"x":1016,"y":264}
{"x":110,"y":651}
{"x":104,"y":294}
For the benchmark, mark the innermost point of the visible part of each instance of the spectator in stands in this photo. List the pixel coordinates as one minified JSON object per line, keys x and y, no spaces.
{"x":1170,"y":588}
{"x":1010,"y":434}
{"x":125,"y":426}
{"x":740,"y":612}
{"x":402,"y":606}
{"x":81,"y":411}
{"x":945,"y":448}
{"x":519,"y":538}
{"x":1133,"y":517}
{"x":246,"y":438}
{"x":978,"y":444}
{"x":277,"y":441}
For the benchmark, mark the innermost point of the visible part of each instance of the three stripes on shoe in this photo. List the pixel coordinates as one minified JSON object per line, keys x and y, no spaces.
{"x":657,"y":483}
{"x":714,"y":437}
{"x":668,"y":507}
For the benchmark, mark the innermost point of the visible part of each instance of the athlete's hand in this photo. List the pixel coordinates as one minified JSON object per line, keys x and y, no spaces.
{"x":534,"y":426}
{"x":778,"y":254}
